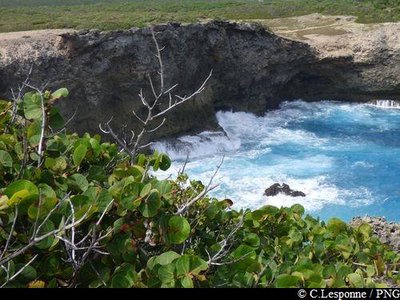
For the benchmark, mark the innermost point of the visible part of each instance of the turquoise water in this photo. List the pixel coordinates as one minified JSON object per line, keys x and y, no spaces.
{"x":344,"y":157}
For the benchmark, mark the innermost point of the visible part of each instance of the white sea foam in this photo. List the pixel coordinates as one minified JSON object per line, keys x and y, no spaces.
{"x":362,"y":164}
{"x":262,"y":150}
{"x":247,"y":191}
{"x":271,"y":129}
{"x":203,"y":144}
{"x":240,"y":128}
{"x":386,"y":104}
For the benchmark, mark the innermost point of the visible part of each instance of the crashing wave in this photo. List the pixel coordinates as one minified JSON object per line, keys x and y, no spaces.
{"x":386,"y":103}
{"x":196,"y":146}
{"x":338,"y":154}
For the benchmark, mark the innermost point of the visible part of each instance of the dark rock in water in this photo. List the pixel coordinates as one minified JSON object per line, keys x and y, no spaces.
{"x":273,"y":190}
{"x":277,"y":188}
{"x":297,"y":194}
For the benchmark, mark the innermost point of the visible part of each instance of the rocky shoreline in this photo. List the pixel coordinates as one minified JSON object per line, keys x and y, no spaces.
{"x":388,"y":232}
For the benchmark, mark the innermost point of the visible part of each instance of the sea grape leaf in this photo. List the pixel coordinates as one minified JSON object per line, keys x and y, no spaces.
{"x":62,"y":92}
{"x":79,"y":154}
{"x":286,"y":281}
{"x":166,"y":258}
{"x":178,"y":229}
{"x":78,"y":182}
{"x":150,"y":205}
{"x":20,"y":185}
{"x":32,"y":103}
{"x":5,"y":159}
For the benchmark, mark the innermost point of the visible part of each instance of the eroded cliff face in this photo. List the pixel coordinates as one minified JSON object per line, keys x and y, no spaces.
{"x":355,"y":62}
{"x":253,"y":70}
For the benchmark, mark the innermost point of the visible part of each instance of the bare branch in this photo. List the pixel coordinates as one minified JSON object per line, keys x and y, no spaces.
{"x":97,"y":273}
{"x":65,"y":124}
{"x":72,"y":229}
{"x":182,"y":99}
{"x":100,"y":252}
{"x":116,"y":137}
{"x":224,"y":245}
{"x":156,"y":96}
{"x":146,"y":145}
{"x":157,"y":127}
{"x":170,"y":89}
{"x":17,"y":97}
{"x":104,"y":212}
{"x":19,"y":272}
{"x":36,"y":232}
{"x":158,"y":55}
{"x":143,"y":99}
{"x":163,"y":107}
{"x":137,"y":117}
{"x":182,"y":171}
{"x":10,"y":234}
{"x":37,"y":239}
{"x":206,"y":189}
{"x":38,"y":211}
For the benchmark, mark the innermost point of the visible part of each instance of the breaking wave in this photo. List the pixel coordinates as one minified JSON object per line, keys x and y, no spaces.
{"x":344,"y":157}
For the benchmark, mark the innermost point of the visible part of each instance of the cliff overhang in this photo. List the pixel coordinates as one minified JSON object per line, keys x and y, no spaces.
{"x":254,"y":70}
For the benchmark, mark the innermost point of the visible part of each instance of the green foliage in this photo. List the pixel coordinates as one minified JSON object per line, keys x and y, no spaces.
{"x":144,"y":242}
{"x":79,"y":154}
{"x":178,"y":229}
{"x":17,"y":15}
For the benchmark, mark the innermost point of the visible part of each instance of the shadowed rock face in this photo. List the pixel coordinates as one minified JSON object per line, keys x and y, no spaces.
{"x":253,"y":70}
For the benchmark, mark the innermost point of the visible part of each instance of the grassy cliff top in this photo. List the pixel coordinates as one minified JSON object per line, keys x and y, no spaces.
{"x":19,"y":15}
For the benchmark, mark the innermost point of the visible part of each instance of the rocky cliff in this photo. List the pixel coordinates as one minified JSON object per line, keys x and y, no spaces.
{"x":253,"y":69}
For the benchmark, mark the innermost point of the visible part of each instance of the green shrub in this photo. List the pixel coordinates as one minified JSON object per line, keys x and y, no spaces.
{"x":75,"y":211}
{"x":22,"y":15}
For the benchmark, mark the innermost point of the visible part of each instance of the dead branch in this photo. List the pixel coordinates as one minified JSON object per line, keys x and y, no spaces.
{"x":209,"y":187}
{"x":10,"y":234}
{"x":78,"y":251}
{"x":17,"y":273}
{"x":36,"y":237}
{"x":63,"y":129}
{"x":182,"y":170}
{"x":17,"y":96}
{"x":160,"y":97}
{"x":225,"y":243}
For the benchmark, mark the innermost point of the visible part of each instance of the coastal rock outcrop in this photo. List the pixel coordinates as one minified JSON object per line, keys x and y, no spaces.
{"x":105,"y":71}
{"x":254,"y":70}
{"x":387,"y":232}
{"x":285,"y":189}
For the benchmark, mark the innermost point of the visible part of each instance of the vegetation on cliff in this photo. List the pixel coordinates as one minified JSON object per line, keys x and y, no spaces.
{"x":78,"y":212}
{"x":17,"y":15}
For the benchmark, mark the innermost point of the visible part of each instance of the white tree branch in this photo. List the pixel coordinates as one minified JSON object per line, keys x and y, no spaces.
{"x":19,"y":272}
{"x":206,"y":189}
{"x":171,"y":102}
